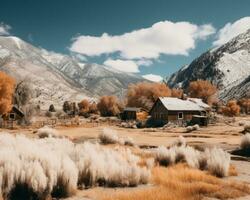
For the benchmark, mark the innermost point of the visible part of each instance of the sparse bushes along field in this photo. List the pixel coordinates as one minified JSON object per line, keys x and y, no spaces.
{"x":56,"y":167}
{"x":215,"y":160}
{"x":245,"y":141}
{"x":110,"y":136}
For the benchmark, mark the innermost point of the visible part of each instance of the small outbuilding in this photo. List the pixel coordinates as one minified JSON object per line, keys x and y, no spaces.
{"x":130,"y":113}
{"x":170,"y":109}
{"x":14,"y":114}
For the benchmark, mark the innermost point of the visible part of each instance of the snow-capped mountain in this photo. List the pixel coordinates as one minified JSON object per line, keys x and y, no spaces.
{"x":57,"y":77}
{"x":227,"y":66}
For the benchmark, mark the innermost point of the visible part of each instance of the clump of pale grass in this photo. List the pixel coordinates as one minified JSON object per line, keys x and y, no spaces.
{"x":165,"y":156}
{"x":218,"y":162}
{"x":55,"y":167}
{"x":246,"y":128}
{"x":129,"y":141}
{"x":215,"y":160}
{"x":110,"y":136}
{"x":180,"y":141}
{"x":192,"y":128}
{"x":245,"y":141}
{"x":47,"y":132}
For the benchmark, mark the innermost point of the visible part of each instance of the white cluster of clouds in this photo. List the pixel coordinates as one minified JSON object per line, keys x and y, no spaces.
{"x":164,"y":37}
{"x":140,"y":47}
{"x":230,"y":30}
{"x":4,"y":29}
{"x":143,"y":46}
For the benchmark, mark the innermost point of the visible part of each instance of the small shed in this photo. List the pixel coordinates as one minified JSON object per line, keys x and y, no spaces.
{"x":14,"y":114}
{"x":170,"y":109}
{"x":200,"y":120}
{"x":130,"y":113}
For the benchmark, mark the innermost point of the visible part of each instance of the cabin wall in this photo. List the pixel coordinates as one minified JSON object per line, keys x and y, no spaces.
{"x":159,"y":112}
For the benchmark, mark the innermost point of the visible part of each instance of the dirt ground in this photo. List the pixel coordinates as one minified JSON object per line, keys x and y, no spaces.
{"x":224,"y":135}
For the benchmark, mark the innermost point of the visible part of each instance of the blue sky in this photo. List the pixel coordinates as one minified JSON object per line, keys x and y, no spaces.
{"x":161,"y":35}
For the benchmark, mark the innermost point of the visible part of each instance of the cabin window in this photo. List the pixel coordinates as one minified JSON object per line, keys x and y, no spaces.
{"x":180,"y":115}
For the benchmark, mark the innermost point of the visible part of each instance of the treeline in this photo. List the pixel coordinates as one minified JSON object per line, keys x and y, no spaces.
{"x":142,"y":95}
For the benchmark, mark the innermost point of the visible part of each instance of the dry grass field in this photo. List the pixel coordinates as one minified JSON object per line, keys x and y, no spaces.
{"x":177,"y":181}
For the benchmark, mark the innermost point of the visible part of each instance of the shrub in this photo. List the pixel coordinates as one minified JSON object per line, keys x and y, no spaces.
{"x":180,"y":141}
{"x":215,"y":160}
{"x":47,"y":132}
{"x":246,"y":128}
{"x":109,"y":136}
{"x":52,"y":108}
{"x":244,"y":105}
{"x":245,"y":141}
{"x":54,"y":167}
{"x":192,"y":128}
{"x":231,"y":109}
{"x":129,"y":141}
{"x":109,"y":106}
{"x":218,"y":162}
{"x":165,"y":156}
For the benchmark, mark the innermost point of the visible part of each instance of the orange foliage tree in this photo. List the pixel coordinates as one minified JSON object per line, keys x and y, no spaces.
{"x":244,"y":105}
{"x":231,"y":109}
{"x":84,"y":106}
{"x":109,"y":106}
{"x":204,"y":90}
{"x":7,"y":86}
{"x":144,"y":94}
{"x":93,"y":108}
{"x":177,"y":93}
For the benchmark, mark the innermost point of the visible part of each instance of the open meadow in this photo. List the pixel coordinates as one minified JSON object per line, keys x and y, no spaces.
{"x":111,"y":162}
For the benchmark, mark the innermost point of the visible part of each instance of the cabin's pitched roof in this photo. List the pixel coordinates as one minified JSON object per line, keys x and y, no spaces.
{"x":175,"y":104}
{"x":199,"y":102}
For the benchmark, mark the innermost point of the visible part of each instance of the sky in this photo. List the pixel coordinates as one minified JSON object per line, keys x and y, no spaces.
{"x":152,"y":38}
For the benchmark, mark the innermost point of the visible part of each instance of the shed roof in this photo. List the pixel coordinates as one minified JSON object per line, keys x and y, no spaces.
{"x":132,"y":109}
{"x":17,"y":111}
{"x":172,"y":103}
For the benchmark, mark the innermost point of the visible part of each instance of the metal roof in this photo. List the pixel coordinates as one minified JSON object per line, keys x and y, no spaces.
{"x":132,"y":109}
{"x":199,"y":102}
{"x":172,"y":103}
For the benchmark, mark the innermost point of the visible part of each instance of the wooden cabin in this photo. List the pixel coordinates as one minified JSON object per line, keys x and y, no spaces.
{"x":170,"y":109}
{"x":130,"y":113}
